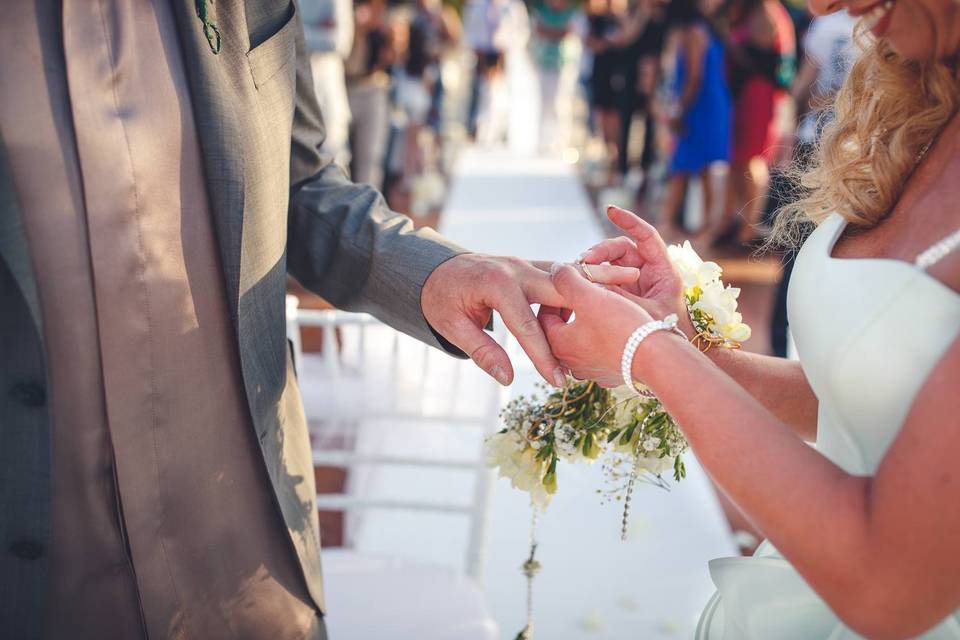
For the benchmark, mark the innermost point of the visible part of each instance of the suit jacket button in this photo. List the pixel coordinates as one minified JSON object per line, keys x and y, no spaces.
{"x":29,"y":394}
{"x":27,"y":549}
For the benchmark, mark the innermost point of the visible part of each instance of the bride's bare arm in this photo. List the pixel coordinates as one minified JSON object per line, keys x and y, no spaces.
{"x":777,"y":383}
{"x":882,"y":551}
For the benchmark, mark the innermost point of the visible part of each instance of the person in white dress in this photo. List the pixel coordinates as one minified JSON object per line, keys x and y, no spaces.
{"x":863,"y":529}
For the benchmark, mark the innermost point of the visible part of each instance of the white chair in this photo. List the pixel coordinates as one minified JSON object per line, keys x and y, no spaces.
{"x":407,"y":423}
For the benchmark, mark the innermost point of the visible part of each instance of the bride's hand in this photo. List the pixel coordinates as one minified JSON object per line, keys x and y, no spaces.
{"x":659,"y":284}
{"x":591,"y":345}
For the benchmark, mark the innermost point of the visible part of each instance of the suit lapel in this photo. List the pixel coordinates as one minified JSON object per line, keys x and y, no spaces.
{"x":214,"y":101}
{"x":14,"y":250}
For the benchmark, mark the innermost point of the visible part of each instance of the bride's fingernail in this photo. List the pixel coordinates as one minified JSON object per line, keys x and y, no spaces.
{"x":500,"y":375}
{"x":582,"y":256}
{"x":559,"y":378}
{"x":555,"y":268}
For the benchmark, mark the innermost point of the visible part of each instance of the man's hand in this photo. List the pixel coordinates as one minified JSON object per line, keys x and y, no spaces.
{"x":461,"y":294}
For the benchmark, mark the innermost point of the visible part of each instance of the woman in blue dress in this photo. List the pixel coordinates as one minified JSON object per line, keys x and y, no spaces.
{"x":702,"y":123}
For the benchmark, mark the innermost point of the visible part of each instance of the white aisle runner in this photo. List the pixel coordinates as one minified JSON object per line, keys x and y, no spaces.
{"x":592,"y":585}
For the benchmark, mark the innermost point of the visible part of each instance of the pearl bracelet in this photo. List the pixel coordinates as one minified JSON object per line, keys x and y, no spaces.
{"x":633,"y":342}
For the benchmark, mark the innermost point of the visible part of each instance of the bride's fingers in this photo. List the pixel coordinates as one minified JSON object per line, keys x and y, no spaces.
{"x":553,"y":321}
{"x":609,"y":274}
{"x":622,"y":250}
{"x":600,"y":273}
{"x":650,"y":245}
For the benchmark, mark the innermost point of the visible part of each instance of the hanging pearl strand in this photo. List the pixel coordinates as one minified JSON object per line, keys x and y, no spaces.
{"x":530,"y":569}
{"x":634,"y":475}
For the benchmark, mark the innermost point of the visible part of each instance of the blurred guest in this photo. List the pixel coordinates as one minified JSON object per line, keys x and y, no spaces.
{"x":368,"y":90}
{"x":419,"y":84}
{"x":642,"y":42}
{"x":608,"y":76}
{"x":328,"y":32}
{"x":555,"y":54}
{"x":829,"y":52}
{"x":762,"y":57}
{"x":482,"y":23}
{"x":702,"y":116}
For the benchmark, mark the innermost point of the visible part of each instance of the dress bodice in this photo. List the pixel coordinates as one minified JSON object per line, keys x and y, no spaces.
{"x":868,"y":333}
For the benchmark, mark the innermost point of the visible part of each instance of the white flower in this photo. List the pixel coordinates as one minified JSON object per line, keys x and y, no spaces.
{"x":737,"y":332}
{"x":721,"y":305}
{"x":501,"y":447}
{"x":692,"y":269}
{"x":655,"y":464}
{"x":650,"y":444}
{"x":518,"y":462}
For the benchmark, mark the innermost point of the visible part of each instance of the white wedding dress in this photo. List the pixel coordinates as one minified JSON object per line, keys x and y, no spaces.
{"x":868,"y":332}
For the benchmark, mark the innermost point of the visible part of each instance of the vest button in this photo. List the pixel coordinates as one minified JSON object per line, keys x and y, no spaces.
{"x":27,"y":549}
{"x":29,"y":394}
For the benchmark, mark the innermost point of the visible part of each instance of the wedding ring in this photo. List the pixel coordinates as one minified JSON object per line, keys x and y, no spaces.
{"x":586,"y":271}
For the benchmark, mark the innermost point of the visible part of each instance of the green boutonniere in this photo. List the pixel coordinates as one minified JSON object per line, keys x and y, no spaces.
{"x":209,"y":28}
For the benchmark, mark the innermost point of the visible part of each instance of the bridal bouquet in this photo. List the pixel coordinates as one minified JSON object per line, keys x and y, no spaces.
{"x":633,"y":435}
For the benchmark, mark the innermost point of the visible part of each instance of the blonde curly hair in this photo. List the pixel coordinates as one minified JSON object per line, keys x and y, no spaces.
{"x":887,"y":112}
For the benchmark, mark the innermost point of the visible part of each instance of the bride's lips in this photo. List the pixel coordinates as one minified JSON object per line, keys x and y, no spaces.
{"x":876,"y":16}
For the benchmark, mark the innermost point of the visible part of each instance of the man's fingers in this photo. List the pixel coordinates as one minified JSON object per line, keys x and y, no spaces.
{"x":538,"y":286}
{"x":517,"y":315}
{"x":650,"y":245}
{"x":483,"y":350}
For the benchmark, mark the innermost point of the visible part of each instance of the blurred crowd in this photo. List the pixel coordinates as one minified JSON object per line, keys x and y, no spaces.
{"x":729,"y":94}
{"x":651,"y":97}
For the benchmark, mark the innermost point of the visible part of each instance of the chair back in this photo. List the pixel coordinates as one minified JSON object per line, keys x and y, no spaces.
{"x":407,"y":424}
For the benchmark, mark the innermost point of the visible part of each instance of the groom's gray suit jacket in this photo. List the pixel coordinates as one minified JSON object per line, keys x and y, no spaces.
{"x":279,"y":207}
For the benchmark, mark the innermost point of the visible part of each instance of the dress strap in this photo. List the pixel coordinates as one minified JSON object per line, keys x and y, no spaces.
{"x":937,"y":252}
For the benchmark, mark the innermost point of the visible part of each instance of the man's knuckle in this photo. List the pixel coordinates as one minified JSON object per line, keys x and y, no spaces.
{"x":483,"y":355}
{"x":529,"y":326}
{"x":496,"y":274}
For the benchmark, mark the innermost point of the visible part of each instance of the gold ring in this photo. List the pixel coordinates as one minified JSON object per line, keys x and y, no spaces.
{"x":586,"y":272}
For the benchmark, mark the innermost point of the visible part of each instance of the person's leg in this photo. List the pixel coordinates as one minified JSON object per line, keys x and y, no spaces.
{"x":706,"y":183}
{"x":779,"y":327}
{"x":566,"y":90}
{"x":549,"y":81}
{"x":473,"y":110}
{"x":628,"y":106}
{"x":610,"y":130}
{"x":726,"y":227}
{"x":668,"y":223}
{"x":755,"y":188}
{"x":331,"y":91}
{"x":649,"y":141}
{"x":370,"y":131}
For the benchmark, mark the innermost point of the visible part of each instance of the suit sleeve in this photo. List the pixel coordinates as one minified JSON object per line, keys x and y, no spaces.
{"x":343,"y":242}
